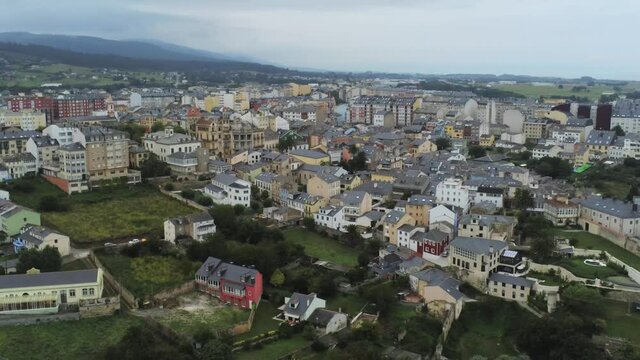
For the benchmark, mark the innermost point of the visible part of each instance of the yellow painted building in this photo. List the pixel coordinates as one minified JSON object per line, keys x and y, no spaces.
{"x":310,"y":157}
{"x":24,"y":119}
{"x":211,"y":102}
{"x":42,"y":293}
{"x":487,"y":140}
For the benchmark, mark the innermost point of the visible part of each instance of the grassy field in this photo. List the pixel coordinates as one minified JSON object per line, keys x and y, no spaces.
{"x":23,"y":75}
{"x":323,"y":248}
{"x":621,"y":324}
{"x":485,"y":328}
{"x":587,"y":240}
{"x":263,"y":320}
{"x":350,"y":304}
{"x":148,"y":275}
{"x":275,"y":349}
{"x":77,"y":264}
{"x":82,"y":339}
{"x":105,"y":215}
{"x":533,"y":91}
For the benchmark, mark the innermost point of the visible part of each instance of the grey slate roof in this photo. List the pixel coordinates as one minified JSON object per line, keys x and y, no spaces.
{"x":600,"y":137}
{"x":478,"y":245}
{"x":610,"y":206}
{"x":298,"y":303}
{"x":439,"y":278}
{"x":511,"y":280}
{"x":48,"y":279}
{"x":393,"y":217}
{"x":215,"y":269}
{"x":321,"y":317}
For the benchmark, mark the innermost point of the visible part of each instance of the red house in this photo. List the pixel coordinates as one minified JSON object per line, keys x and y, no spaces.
{"x":233,"y":284}
{"x":432,"y":242}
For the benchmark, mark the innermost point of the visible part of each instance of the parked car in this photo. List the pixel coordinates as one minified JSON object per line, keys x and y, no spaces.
{"x":134,"y":241}
{"x":109,"y":244}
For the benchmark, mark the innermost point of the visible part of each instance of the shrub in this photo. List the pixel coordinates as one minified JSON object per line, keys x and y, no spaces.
{"x":317,"y":346}
{"x":169,"y":187}
{"x":188,"y":194}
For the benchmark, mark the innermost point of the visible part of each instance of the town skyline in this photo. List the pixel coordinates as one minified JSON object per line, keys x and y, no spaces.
{"x":486,"y":37}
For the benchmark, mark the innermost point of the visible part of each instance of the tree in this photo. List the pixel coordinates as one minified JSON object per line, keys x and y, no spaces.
{"x":542,"y":248}
{"x":169,"y":186}
{"x":204,"y":200}
{"x":309,"y":223}
{"x":443,"y":143}
{"x":633,"y":192}
{"x":216,"y":349}
{"x":523,"y":199}
{"x":277,"y":278}
{"x":154,"y":167}
{"x":50,"y":203}
{"x":618,"y":130}
{"x":188,"y":194}
{"x":476,"y":151}
{"x":45,"y":260}
{"x":352,"y":237}
{"x":157,"y":126}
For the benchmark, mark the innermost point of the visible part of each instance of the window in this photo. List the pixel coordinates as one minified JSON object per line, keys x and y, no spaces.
{"x":92,"y":291}
{"x":85,"y":292}
{"x":72,"y":293}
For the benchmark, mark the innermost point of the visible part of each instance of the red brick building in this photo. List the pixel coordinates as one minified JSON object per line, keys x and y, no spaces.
{"x":233,"y":284}
{"x":42,"y":103}
{"x":62,"y":107}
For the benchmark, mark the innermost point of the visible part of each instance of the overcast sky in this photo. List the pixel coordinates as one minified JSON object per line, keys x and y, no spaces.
{"x":568,"y":38}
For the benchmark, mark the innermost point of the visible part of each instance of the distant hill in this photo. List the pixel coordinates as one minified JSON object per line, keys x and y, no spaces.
{"x":129,"y":63}
{"x":137,"y":49}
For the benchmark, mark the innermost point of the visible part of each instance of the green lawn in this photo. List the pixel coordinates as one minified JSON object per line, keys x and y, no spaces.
{"x":577,"y":266}
{"x":275,"y":349}
{"x":533,"y":91}
{"x":620,"y":324}
{"x":323,"y":248}
{"x":485,"y":328}
{"x":148,"y":275}
{"x":105,"y":215}
{"x":587,"y":240}
{"x":263,"y":320}
{"x":548,"y":280}
{"x":82,"y":339}
{"x":350,"y":304}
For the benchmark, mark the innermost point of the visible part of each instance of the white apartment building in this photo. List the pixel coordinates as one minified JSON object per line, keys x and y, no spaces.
{"x":330,"y":217}
{"x":452,"y":192}
{"x":165,"y":143}
{"x":227,"y":189}
{"x":63,"y":134}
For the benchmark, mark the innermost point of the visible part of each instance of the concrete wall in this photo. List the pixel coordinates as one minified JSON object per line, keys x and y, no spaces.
{"x":191,"y":203}
{"x":176,"y":291}
{"x":125,"y":294}
{"x":99,"y":307}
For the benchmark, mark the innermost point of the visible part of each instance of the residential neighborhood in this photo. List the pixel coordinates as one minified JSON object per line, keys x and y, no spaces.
{"x":159,"y":201}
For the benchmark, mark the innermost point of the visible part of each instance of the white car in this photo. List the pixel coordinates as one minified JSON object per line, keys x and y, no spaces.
{"x":108,"y":244}
{"x":134,"y":241}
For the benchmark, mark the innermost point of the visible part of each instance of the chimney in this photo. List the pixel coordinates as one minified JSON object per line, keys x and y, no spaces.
{"x":491,"y":249}
{"x":636,"y":203}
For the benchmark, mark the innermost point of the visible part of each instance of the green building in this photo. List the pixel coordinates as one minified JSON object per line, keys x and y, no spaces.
{"x":14,"y":217}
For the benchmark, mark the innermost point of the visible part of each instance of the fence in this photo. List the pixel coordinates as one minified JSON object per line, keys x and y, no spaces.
{"x":124,"y":293}
{"x":176,"y":291}
{"x":191,"y":203}
{"x":99,"y":307}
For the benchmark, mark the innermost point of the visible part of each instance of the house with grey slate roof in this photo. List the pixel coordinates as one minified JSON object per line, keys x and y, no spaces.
{"x":299,"y":307}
